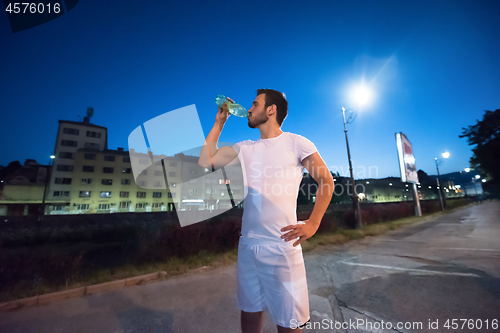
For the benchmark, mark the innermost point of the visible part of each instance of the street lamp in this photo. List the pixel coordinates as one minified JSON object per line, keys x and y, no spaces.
{"x":464,"y":186}
{"x":362,"y":95}
{"x":47,"y":178}
{"x":442,"y":198}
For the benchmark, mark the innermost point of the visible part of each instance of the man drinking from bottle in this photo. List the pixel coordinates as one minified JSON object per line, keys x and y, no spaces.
{"x":271,"y":272}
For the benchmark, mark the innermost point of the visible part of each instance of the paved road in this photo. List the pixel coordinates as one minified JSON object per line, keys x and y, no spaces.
{"x":446,"y":268}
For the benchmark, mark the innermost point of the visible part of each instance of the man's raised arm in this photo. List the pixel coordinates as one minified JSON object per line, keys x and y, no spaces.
{"x":210,"y":156}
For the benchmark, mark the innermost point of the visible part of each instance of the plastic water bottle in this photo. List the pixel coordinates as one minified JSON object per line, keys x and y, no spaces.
{"x":234,"y":108}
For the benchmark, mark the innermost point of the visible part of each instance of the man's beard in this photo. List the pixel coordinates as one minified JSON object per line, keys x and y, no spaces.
{"x":254,"y":122}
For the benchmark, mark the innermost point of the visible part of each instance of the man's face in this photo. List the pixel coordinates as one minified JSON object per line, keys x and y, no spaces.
{"x":257,"y":113}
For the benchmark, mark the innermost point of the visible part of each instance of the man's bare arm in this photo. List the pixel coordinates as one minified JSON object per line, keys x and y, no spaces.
{"x":320,"y":173}
{"x":210,"y":155}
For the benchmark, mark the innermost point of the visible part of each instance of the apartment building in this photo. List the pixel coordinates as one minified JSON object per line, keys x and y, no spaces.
{"x":71,"y":136}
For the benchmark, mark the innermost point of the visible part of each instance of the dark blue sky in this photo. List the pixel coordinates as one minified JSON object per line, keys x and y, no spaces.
{"x":433,"y":67}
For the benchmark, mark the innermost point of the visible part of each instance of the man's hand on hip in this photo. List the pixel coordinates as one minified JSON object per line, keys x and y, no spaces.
{"x":302,"y":230}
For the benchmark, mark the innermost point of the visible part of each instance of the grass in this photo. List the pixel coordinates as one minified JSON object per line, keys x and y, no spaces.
{"x":176,"y":266}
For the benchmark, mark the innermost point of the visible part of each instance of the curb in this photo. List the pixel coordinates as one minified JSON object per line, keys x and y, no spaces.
{"x":79,"y":292}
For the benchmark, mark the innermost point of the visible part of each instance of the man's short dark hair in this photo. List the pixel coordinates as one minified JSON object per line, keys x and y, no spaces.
{"x":277,"y":98}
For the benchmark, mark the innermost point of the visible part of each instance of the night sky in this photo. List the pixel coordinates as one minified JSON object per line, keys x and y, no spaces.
{"x":433,"y":67}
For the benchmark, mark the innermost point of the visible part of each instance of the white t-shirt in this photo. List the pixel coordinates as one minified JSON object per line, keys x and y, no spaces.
{"x":272,"y":172}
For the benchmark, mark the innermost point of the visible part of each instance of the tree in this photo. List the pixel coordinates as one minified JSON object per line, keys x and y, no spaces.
{"x":485,"y":135}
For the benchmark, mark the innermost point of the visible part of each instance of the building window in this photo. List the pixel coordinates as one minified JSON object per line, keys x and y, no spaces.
{"x":124,"y":204}
{"x":221,"y":181}
{"x":125,"y":181}
{"x":141,"y":183}
{"x":105,"y":194}
{"x":89,"y":156}
{"x":172,"y":184}
{"x":109,"y":158}
{"x":156,"y":205}
{"x":126,"y":159}
{"x":172,"y":163}
{"x":158,"y":184}
{"x":84,"y":194}
{"x":66,"y":155}
{"x":123,"y":194}
{"x":103,"y":206}
{"x":64,"y":193}
{"x":107,"y":170}
{"x":66,"y":181}
{"x":58,"y":207}
{"x":64,"y":167}
{"x":91,"y":134}
{"x":144,"y":172}
{"x":86,"y":180}
{"x":107,"y":182}
{"x":191,"y":191}
{"x":88,"y":168}
{"x":172,"y":174}
{"x":57,"y":194}
{"x":83,"y":207}
{"x":90,"y":145}
{"x":69,"y":143}
{"x":158,"y":173}
{"x":156,"y":194}
{"x":171,"y":195}
{"x":141,"y":194}
{"x":140,"y":205}
{"x":71,"y":131}
{"x":143,"y":161}
{"x":126,"y":170}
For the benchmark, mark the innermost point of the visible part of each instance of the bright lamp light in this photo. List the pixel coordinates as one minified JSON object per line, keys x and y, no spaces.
{"x":361,"y":95}
{"x":467,"y":169}
{"x":446,"y":154}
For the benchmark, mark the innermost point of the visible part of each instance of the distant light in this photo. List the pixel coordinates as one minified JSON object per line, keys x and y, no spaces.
{"x":361,"y":196}
{"x":483,"y":180}
{"x":467,"y":169}
{"x":406,"y":185}
{"x":445,"y":154}
{"x":430,"y":187}
{"x":478,"y":176}
{"x":368,"y":182}
{"x":52,"y":156}
{"x":458,"y":186}
{"x":390,"y":184}
{"x":419,"y":186}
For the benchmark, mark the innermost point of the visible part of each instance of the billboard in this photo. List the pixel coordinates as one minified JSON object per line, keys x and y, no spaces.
{"x":406,"y":159}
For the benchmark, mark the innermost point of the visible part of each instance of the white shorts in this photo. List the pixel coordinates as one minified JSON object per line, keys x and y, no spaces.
{"x":272,"y":276}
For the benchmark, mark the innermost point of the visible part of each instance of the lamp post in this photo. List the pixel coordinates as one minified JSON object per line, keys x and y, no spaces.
{"x":355,"y":201}
{"x":442,"y":197}
{"x":462,"y":181}
{"x":47,"y":178}
{"x":360,"y":95}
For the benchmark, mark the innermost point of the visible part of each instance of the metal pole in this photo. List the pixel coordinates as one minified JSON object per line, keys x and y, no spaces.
{"x":439,"y":186}
{"x":355,"y":201}
{"x":416,"y":201}
{"x":463,"y":184}
{"x":40,"y":217}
